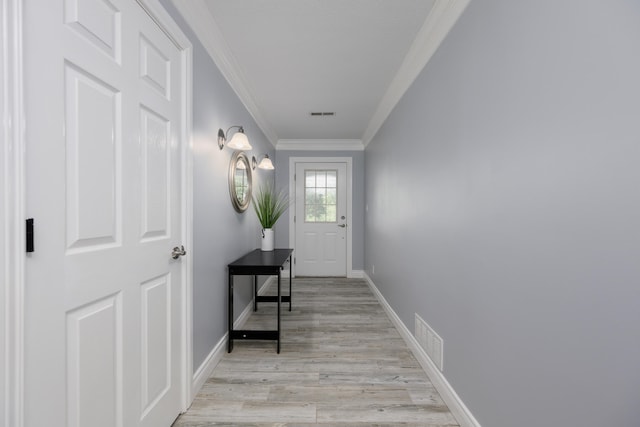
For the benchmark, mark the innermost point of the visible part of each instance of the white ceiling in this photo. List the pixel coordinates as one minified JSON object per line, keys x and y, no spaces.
{"x":288,"y":58}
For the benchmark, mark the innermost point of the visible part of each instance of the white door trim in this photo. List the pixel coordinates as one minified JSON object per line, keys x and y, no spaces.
{"x":13,"y":228}
{"x":292,"y":211}
{"x":182,"y":42}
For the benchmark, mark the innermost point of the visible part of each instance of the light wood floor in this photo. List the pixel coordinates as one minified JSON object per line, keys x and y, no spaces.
{"x":342,"y":363}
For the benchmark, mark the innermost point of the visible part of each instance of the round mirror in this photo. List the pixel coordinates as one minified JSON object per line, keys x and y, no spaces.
{"x":240,"y":181}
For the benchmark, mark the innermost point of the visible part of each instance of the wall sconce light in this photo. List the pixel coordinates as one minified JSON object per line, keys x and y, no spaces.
{"x":265,"y":163}
{"x":239,"y":141}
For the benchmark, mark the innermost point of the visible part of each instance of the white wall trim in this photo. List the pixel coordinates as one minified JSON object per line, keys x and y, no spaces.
{"x":197,"y":15}
{"x":205,"y":369}
{"x":215,"y":356}
{"x":443,"y":16}
{"x":319,"y":145}
{"x":292,"y":212}
{"x":12,"y":162}
{"x":182,"y":42}
{"x":356,"y":274}
{"x":457,"y":407}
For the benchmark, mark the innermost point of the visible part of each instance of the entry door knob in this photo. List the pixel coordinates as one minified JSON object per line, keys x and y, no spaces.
{"x":178,"y":252}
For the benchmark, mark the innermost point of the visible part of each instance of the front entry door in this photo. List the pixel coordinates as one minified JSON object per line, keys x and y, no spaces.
{"x":321,"y":219}
{"x":103,"y":291}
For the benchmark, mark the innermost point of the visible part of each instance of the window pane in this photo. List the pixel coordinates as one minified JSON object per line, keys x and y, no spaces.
{"x":310,"y":196}
{"x":310,"y":179}
{"x":320,"y":196}
{"x":315,"y":213}
{"x":321,"y":179}
{"x":332,"y":179}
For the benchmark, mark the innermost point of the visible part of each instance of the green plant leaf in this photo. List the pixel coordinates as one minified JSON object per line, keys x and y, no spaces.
{"x":269,"y":205}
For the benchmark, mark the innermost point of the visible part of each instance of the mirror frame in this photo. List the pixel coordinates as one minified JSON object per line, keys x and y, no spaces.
{"x":238,"y":205}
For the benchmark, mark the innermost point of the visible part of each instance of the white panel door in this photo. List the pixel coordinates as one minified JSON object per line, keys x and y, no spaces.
{"x":103,"y":293}
{"x":321,"y":219}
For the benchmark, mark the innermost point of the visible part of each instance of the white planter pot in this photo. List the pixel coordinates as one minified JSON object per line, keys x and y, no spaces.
{"x":267,"y":239}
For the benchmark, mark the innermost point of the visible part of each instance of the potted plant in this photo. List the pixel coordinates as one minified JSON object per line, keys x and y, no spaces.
{"x":269,"y":205}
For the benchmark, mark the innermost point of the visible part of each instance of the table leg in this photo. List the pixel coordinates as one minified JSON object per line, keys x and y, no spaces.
{"x":230,"y":313}
{"x":255,"y":293}
{"x":278,"y":348}
{"x":290,"y":275}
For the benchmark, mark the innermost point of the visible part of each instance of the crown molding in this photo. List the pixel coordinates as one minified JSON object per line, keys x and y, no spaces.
{"x":439,"y":22}
{"x":443,"y":16}
{"x":319,"y":145}
{"x":199,"y":18}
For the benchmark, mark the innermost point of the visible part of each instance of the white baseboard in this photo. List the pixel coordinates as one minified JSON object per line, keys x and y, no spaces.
{"x":356,"y":274}
{"x":204,"y":371}
{"x":457,"y":407}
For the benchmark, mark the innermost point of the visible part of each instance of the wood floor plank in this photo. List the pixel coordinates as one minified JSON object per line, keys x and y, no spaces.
{"x":244,"y":412}
{"x":331,"y":394}
{"x":379,"y":412}
{"x":342,"y":364}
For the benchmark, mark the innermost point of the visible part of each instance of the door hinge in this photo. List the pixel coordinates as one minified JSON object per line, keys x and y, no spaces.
{"x":294,"y":218}
{"x":29,"y":235}
{"x":294,"y":260}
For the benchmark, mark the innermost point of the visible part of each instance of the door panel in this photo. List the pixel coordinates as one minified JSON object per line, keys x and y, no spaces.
{"x":103,"y":184}
{"x":321,"y":219}
{"x":95,"y":400}
{"x":154,"y":67}
{"x":155,"y":174}
{"x":156,"y":341}
{"x":93,"y":145}
{"x":98,"y":22}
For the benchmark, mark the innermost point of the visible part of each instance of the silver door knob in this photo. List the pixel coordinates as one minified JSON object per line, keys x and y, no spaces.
{"x":178,"y":252}
{"x":342,"y":225}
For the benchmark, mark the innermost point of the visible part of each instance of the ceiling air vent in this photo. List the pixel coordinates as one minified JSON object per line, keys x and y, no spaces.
{"x":322,"y":113}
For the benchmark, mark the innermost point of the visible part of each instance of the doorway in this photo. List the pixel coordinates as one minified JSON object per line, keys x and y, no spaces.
{"x":320,"y":216}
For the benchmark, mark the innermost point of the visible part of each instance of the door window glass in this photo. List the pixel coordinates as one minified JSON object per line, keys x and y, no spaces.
{"x":320,"y":195}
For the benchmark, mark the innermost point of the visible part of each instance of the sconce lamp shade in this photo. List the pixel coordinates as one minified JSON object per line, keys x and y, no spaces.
{"x":266,"y":163}
{"x":239,"y":141}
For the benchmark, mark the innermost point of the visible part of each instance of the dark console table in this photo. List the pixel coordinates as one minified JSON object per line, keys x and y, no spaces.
{"x":259,"y":263}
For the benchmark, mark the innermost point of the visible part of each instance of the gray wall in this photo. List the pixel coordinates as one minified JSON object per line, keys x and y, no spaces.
{"x":220,"y":234}
{"x":282,"y":181}
{"x":508,"y":213}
